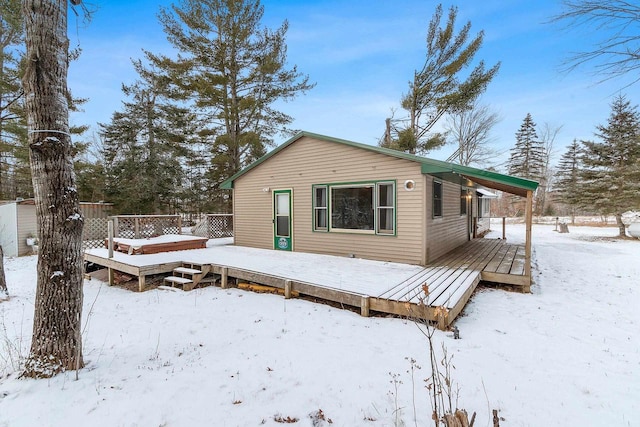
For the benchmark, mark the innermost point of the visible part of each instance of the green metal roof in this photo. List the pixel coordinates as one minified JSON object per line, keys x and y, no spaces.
{"x":444,"y":170}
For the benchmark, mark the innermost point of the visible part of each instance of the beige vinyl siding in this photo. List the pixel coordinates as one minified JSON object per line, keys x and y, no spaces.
{"x":26,"y":226}
{"x":449,"y":231}
{"x":310,"y":161}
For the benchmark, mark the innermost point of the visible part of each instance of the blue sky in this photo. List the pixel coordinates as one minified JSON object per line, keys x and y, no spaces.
{"x":362,"y":54}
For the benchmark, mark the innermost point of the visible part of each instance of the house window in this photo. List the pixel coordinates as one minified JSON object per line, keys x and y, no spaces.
{"x":386,"y":202}
{"x":368,"y":208}
{"x":483,"y":207}
{"x":486,"y":208}
{"x":464,"y":195}
{"x":320,"y":208}
{"x":437,"y":199}
{"x":352,"y":208}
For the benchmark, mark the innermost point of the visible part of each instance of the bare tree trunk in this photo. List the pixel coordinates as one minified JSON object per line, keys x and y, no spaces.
{"x":56,"y":345}
{"x":622,"y":230}
{"x":4,"y":292}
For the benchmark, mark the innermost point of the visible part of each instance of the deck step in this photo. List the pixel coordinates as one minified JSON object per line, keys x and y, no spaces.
{"x":186,"y":270}
{"x":178,"y":280}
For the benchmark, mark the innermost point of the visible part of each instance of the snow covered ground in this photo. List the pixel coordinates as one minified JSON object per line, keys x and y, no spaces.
{"x":567,"y":354}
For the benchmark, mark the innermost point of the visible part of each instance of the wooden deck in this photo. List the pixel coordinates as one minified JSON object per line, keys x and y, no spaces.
{"x":444,"y":287}
{"x":437,"y":293}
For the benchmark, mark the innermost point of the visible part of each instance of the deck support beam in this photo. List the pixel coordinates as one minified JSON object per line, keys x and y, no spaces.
{"x":527,"y":245}
{"x":224,"y":275}
{"x":365,"y":304}
{"x":287,"y":289}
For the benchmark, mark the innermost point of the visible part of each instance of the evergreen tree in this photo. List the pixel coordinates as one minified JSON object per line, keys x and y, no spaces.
{"x":437,"y":88}
{"x":234,"y":71}
{"x":611,"y":175}
{"x":528,"y":156}
{"x":568,"y":178}
{"x":15,"y":171}
{"x":14,"y":155}
{"x":144,"y":147}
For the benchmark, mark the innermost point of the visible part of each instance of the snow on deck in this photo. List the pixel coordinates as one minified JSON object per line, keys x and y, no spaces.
{"x":355,"y":275}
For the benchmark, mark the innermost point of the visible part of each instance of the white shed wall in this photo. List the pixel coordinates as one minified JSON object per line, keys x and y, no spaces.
{"x":9,"y":229}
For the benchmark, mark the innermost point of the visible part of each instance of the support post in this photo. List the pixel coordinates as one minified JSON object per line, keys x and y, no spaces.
{"x":504,"y":228}
{"x":116,"y":233}
{"x":110,"y":237}
{"x":527,"y":248}
{"x":287,"y":289}
{"x":136,"y":228}
{"x":223,"y":277}
{"x":179,"y":224}
{"x":365,"y":303}
{"x":141,"y":282}
{"x":111,"y":276}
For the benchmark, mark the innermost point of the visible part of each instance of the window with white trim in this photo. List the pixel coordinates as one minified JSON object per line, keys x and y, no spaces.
{"x":320,"y":207}
{"x":484,"y":206}
{"x":385,"y":207}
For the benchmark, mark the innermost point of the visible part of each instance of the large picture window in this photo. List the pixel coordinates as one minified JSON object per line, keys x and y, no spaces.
{"x":437,"y":199}
{"x":352,"y":208}
{"x":359,"y":207}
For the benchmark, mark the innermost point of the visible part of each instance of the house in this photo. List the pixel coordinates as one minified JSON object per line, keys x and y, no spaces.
{"x":325,"y":195}
{"x":18,"y":222}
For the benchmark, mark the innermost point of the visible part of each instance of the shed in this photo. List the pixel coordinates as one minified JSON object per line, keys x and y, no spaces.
{"x":320,"y":194}
{"x":18,"y":221}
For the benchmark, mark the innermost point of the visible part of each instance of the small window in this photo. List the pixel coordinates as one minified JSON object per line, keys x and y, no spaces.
{"x":385,"y":208}
{"x":483,"y":207}
{"x":320,"y":208}
{"x":464,"y":196}
{"x":437,"y":199}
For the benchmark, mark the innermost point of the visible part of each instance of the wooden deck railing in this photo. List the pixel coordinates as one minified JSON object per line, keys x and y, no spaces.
{"x":145,"y":226}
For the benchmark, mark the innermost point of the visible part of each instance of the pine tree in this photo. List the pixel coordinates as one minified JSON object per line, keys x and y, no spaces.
{"x":568,"y":178}
{"x":234,"y":71}
{"x":14,"y":157}
{"x":144,"y":147}
{"x":15,"y":171}
{"x":437,"y":88}
{"x":611,"y":175}
{"x":528,"y":157}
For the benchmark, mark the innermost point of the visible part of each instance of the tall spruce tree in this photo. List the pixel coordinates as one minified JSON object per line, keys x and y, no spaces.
{"x":528,"y":156}
{"x":234,"y":71}
{"x":567,"y":178}
{"x":144,"y":147}
{"x":438,"y":88}
{"x":611,"y":175}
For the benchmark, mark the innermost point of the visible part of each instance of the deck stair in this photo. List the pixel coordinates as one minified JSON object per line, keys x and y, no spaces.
{"x":188,"y":275}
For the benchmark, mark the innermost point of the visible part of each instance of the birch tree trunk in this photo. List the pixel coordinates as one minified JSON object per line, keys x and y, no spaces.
{"x":56,"y":345}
